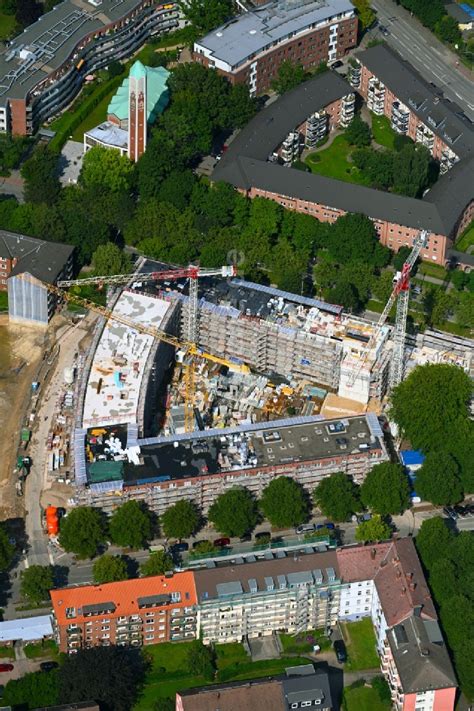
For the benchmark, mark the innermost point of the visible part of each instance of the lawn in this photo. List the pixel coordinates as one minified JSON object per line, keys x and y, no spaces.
{"x":363,"y":698}
{"x":7,"y":652}
{"x":169,"y":672}
{"x":3,"y":300}
{"x":382,"y":132}
{"x":466,"y":240}
{"x":48,"y":648}
{"x":7,"y":25}
{"x":333,"y":162}
{"x":433,"y":270}
{"x":96,"y":116}
{"x":360,"y":641}
{"x":303,"y":642}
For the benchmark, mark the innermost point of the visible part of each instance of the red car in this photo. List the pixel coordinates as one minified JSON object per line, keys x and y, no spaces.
{"x":6,"y":667}
{"x":221,"y":542}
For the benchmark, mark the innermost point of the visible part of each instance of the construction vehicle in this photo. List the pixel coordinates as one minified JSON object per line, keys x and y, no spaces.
{"x":400,"y":294}
{"x":189,"y":348}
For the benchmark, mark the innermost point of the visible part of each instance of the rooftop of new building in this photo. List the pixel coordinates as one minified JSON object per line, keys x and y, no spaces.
{"x":396,"y":570}
{"x":43,"y":260}
{"x":251,"y":446}
{"x":74,"y":605}
{"x":251,"y":32}
{"x":420,"y":654}
{"x":157,"y":93}
{"x":441,"y":116}
{"x":113,"y":389}
{"x":44,"y":46}
{"x":225,"y":582}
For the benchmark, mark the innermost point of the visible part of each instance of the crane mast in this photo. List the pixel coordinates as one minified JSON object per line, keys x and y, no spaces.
{"x":400,"y":294}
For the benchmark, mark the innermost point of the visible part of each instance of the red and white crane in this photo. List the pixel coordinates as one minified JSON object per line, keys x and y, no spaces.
{"x":400,"y":294}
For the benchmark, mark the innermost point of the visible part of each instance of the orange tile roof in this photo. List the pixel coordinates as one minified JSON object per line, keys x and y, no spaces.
{"x":123,"y":594}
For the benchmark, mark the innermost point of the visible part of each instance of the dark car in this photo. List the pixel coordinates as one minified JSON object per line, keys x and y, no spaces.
{"x":330,"y":526}
{"x":180,"y":547}
{"x":336,"y":65}
{"x":48,"y":666}
{"x":341,"y":652}
{"x":450,"y":512}
{"x":6,"y":667}
{"x":221,"y":542}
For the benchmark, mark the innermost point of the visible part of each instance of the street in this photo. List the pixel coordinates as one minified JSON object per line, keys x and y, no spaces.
{"x":432,"y":59}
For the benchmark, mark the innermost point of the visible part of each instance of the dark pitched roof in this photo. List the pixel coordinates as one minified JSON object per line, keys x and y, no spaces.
{"x":421,"y":656}
{"x":453,"y":192}
{"x":437,"y":113}
{"x":244,"y":172}
{"x":460,"y":257}
{"x":314,"y":687}
{"x":43,"y":260}
{"x":271,"y":125}
{"x":459,"y":14}
{"x":261,"y":694}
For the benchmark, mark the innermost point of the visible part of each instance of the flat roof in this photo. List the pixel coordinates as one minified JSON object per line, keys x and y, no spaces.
{"x":109,"y":133}
{"x":251,"y":32}
{"x":28,"y":629}
{"x":52,"y":40}
{"x":43,"y":260}
{"x":116,"y":374}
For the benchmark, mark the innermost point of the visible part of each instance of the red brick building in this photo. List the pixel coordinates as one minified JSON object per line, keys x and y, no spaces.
{"x":250,"y":48}
{"x":128,"y":613}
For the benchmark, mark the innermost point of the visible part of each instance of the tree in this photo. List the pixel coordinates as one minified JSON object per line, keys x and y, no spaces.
{"x":358,"y":132}
{"x":181,"y":520}
{"x":40,"y":173}
{"x":114,"y":69}
{"x":345,"y":294}
{"x":459,"y":279}
{"x":158,"y":563}
{"x":82,"y":531}
{"x":443,"y":581}
{"x":447,"y":29}
{"x":7,"y":550}
{"x":431,"y":405}
{"x":109,"y":569}
{"x":337,"y":496}
{"x":289,"y":76}
{"x":411,"y":170}
{"x":36,"y":582}
{"x":235,"y":512}
{"x":166,"y":704}
{"x":205,"y":15}
{"x":464,"y":310}
{"x":287,"y":266}
{"x":111,"y":676}
{"x":373,"y":530}
{"x":284,"y":502}
{"x":386,"y":489}
{"x":438,"y":479}
{"x":353,"y":238}
{"x":106,"y":170}
{"x":382,"y":286}
{"x":34,"y":690}
{"x":365,"y":13}
{"x":27,"y":12}
{"x":399,"y":258}
{"x":200,"y":659}
{"x":241,"y":106}
{"x":131,"y":525}
{"x":109,"y":259}
{"x":433,"y":541}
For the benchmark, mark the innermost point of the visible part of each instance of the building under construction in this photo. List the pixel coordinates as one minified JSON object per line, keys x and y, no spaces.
{"x":250,"y":426}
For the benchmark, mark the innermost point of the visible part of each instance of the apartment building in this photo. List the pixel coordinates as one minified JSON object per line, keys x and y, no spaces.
{"x":251,"y":47}
{"x":129,"y":613}
{"x":26,"y":264}
{"x":43,"y":69}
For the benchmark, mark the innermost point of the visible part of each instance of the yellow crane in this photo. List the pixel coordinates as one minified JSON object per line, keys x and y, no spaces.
{"x":189,"y":347}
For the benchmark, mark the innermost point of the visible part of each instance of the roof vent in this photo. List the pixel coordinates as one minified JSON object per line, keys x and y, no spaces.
{"x":219,"y":34}
{"x":253,"y":32}
{"x":424,"y":652}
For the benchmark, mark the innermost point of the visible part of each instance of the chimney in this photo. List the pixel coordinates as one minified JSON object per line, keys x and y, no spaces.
{"x":404,"y":591}
{"x":399,"y":573}
{"x":373,"y":553}
{"x":412,"y":586}
{"x":409,"y":576}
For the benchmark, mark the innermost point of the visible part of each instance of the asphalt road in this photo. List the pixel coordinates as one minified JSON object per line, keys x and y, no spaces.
{"x":435,"y":62}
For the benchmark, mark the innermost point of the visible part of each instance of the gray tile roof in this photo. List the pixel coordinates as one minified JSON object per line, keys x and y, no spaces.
{"x":251,"y":32}
{"x":43,"y":260}
{"x":452,"y":192}
{"x":459,"y":14}
{"x":314,"y":687}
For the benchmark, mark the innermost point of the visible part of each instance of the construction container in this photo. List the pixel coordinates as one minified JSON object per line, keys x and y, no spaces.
{"x":52,"y":521}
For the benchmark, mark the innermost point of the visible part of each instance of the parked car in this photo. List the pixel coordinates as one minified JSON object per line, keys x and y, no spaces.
{"x":450,"y":512}
{"x":336,"y":65}
{"x":320,"y":526}
{"x":222,"y":542}
{"x":181,"y":547}
{"x":341,"y":652}
{"x":6,"y":667}
{"x":330,"y":526}
{"x":305,"y":528}
{"x":384,"y":30}
{"x":364,"y":517}
{"x":48,"y":666}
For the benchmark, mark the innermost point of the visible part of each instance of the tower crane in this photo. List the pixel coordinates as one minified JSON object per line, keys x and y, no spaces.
{"x":188,"y":345}
{"x":400,"y":294}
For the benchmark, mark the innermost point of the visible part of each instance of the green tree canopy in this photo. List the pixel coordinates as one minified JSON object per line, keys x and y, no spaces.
{"x":399,"y":258}
{"x":365,"y":13}
{"x":109,"y":569}
{"x":205,"y":15}
{"x":107,"y":170}
{"x":289,"y":76}
{"x":36,"y":582}
{"x":111,"y":676}
{"x":7,"y":550}
{"x":131,"y":525}
{"x":40,"y":173}
{"x":358,"y":132}
{"x":34,"y":690}
{"x":201,"y":660}
{"x":447,"y":29}
{"x":431,"y":405}
{"x":109,"y":259}
{"x":235,"y":512}
{"x":157,"y":564}
{"x":433,"y":541}
{"x":82,"y":531}
{"x":438,"y":479}
{"x":373,"y":530}
{"x":386,"y":489}
{"x":337,"y":496}
{"x":284,"y":502}
{"x":181,"y":520}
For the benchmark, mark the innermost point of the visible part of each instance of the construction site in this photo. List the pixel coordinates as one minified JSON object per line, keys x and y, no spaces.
{"x":197,"y":381}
